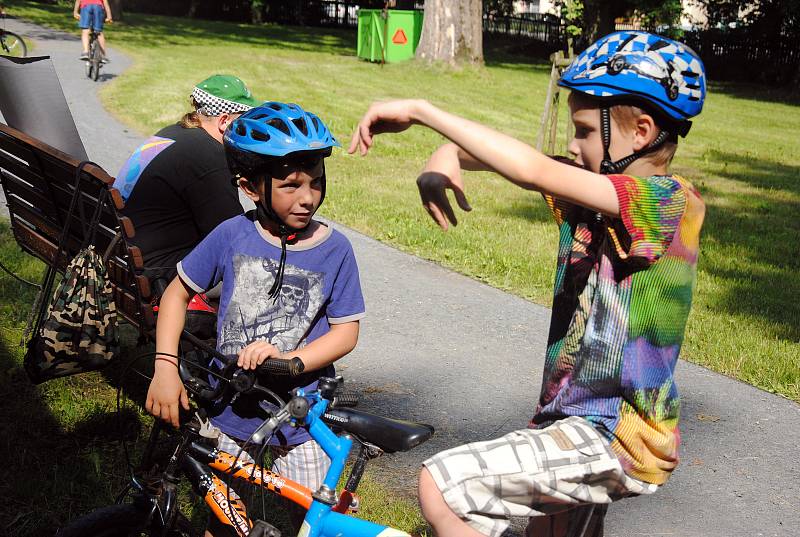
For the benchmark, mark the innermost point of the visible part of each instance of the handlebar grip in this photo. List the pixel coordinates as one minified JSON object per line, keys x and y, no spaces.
{"x":285,"y":368}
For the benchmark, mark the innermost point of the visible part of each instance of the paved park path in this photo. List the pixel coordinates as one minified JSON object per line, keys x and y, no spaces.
{"x":442,"y":348}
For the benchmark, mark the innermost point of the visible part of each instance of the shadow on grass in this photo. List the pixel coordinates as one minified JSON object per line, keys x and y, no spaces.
{"x":757,"y":92}
{"x":763,"y":229}
{"x":523,"y":54}
{"x":51,"y":474}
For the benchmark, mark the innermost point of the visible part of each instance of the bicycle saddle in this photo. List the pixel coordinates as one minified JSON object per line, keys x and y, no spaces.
{"x":388,"y":434}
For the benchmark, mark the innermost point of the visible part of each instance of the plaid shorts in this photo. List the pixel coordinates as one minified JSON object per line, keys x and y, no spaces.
{"x":304,"y":463}
{"x":530,"y":473}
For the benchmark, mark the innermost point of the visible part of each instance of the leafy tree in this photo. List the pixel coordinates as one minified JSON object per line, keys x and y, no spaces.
{"x":598,"y":16}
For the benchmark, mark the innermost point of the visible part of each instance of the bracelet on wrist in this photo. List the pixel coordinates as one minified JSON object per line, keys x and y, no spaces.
{"x":166,"y":359}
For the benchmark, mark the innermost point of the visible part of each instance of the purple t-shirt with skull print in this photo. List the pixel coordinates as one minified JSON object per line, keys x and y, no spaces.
{"x":320,"y":287}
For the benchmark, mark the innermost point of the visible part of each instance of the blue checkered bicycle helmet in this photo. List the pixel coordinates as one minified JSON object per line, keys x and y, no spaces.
{"x":264,"y":136}
{"x":634,"y":66}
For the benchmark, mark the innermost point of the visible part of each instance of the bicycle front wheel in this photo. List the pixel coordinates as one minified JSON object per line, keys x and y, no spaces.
{"x":96,"y":59}
{"x":12,"y":45}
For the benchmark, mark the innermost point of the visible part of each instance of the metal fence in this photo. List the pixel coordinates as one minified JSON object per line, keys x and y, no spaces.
{"x":538,"y":27}
{"x":740,"y":55}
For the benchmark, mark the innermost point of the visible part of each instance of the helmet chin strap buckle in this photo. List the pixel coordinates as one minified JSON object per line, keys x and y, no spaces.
{"x":606,"y":167}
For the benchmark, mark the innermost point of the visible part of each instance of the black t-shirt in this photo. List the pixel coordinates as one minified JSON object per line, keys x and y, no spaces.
{"x":180,"y":196}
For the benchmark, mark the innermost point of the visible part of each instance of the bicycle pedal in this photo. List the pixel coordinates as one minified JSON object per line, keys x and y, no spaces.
{"x":263,"y":529}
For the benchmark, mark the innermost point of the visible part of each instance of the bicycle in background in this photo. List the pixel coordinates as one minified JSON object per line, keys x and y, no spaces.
{"x":95,"y":59}
{"x":10,"y":43}
{"x":149,"y":506}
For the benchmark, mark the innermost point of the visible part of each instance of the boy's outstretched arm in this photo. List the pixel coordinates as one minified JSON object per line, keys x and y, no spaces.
{"x":515,"y":160}
{"x":166,"y":390}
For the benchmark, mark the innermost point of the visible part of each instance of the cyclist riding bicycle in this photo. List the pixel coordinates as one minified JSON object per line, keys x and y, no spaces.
{"x":290,"y":284}
{"x":90,"y":15}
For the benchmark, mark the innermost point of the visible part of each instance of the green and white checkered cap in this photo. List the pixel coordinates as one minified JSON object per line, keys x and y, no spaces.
{"x":223,"y":94}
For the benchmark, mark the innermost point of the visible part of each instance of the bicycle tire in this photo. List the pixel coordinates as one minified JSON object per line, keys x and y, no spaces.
{"x":122,"y":520}
{"x":12,"y":45}
{"x":95,"y":58}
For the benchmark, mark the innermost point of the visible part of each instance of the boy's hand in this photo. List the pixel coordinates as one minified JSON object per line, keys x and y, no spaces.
{"x":165,"y":392}
{"x":76,"y":15}
{"x":254,"y":354}
{"x":389,"y":116}
{"x":442,"y":172}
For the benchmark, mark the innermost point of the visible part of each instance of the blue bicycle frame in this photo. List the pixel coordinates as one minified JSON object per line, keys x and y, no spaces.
{"x":320,"y":520}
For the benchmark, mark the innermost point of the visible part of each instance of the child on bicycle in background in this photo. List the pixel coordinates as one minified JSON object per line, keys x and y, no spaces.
{"x":290,"y":284}
{"x":606,"y":424}
{"x":91,"y":14}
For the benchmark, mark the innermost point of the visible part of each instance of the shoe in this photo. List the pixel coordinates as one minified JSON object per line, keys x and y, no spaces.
{"x":84,"y":56}
{"x":105,"y":60}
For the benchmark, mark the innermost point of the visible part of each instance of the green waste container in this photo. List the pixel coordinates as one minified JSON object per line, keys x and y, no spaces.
{"x":393,"y":39}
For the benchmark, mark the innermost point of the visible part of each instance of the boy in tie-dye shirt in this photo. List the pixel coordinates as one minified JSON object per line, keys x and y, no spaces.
{"x":606,"y":423}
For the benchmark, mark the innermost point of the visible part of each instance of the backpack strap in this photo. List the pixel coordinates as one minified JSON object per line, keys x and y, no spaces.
{"x":40,"y":305}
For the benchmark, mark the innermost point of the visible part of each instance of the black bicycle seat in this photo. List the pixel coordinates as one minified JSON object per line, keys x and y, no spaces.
{"x":388,"y":434}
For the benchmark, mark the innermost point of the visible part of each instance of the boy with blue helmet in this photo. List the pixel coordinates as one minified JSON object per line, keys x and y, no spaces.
{"x":290,"y":284}
{"x":606,"y":423}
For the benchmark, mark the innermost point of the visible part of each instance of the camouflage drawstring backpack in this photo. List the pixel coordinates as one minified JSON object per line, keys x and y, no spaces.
{"x":79,"y":331}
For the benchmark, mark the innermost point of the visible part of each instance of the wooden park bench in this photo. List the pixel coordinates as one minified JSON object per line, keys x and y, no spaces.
{"x":39,"y":182}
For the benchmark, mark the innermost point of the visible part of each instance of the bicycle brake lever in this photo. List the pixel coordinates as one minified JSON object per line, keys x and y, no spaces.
{"x":268,"y":427}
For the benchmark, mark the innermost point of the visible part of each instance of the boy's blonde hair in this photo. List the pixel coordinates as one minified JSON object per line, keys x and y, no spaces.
{"x":625,"y":114}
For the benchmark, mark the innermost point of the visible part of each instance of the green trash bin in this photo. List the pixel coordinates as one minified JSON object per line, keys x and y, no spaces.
{"x":393,"y":39}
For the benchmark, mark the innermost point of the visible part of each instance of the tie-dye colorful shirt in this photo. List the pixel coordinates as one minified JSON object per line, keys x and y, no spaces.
{"x":622,"y":296}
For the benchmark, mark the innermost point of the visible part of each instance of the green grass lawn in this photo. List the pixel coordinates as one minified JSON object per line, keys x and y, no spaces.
{"x":743,"y":154}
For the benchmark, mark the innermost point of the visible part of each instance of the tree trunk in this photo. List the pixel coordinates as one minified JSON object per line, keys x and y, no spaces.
{"x":256,"y":12}
{"x":598,"y":17}
{"x":116,"y":9}
{"x":193,"y":9}
{"x":452,"y":31}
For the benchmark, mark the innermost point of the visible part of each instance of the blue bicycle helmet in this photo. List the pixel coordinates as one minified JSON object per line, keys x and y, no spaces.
{"x":263,"y":137}
{"x":633,"y":66}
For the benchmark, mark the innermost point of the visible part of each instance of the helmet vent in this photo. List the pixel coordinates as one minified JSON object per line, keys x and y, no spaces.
{"x":274,"y":106}
{"x":280,"y":125}
{"x":301,"y":125}
{"x":258,"y":116}
{"x":658,"y":45}
{"x":260,"y":136}
{"x":316,"y":122}
{"x":241,"y":130}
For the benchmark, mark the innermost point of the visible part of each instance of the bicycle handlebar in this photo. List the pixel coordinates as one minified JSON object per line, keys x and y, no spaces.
{"x":231,"y":375}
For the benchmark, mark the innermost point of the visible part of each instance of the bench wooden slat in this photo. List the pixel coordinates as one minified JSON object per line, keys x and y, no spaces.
{"x":22,"y":171}
{"x":51,"y":229}
{"x":22,"y":189}
{"x":11,"y":146}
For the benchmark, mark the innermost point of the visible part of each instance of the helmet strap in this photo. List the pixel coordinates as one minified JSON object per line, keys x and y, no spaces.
{"x":607,"y":166}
